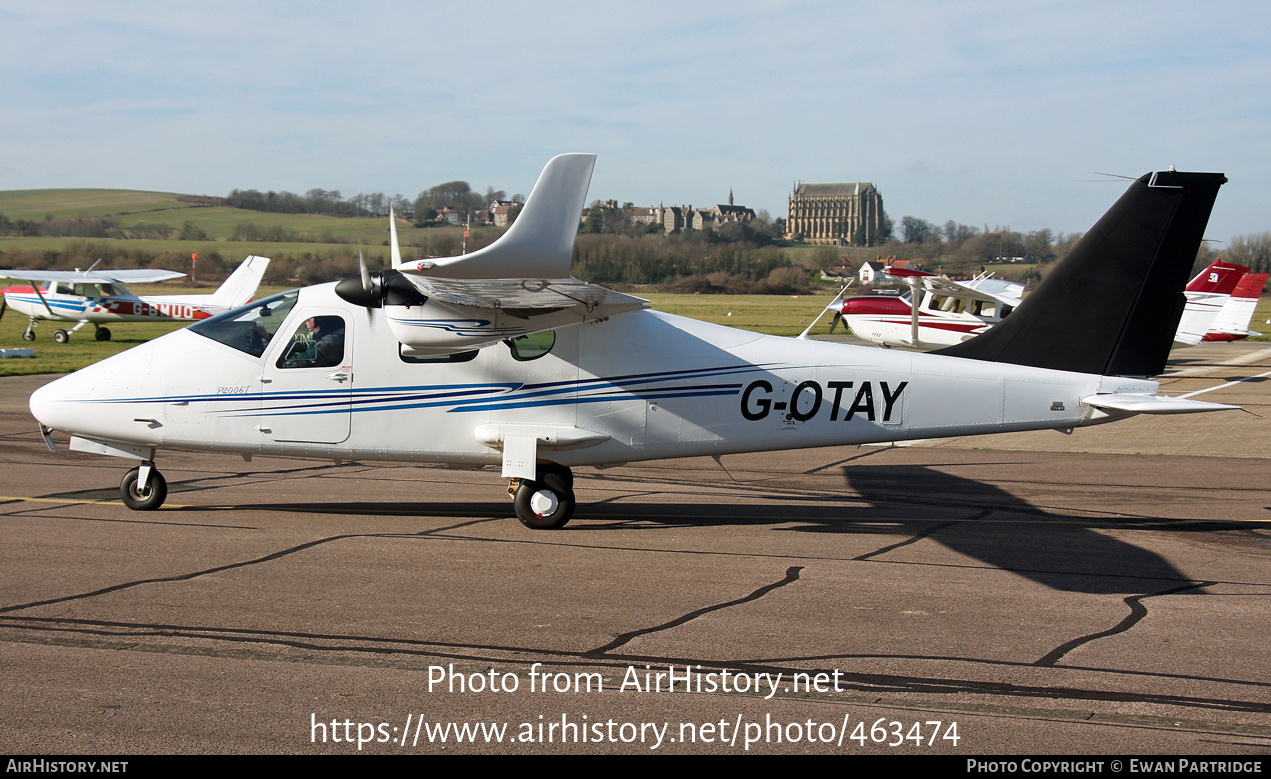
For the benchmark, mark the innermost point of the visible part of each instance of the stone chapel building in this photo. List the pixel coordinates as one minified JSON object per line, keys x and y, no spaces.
{"x":835,"y":214}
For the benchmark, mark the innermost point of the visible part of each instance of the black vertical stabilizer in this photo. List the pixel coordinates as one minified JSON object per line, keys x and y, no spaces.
{"x":1112,"y":305}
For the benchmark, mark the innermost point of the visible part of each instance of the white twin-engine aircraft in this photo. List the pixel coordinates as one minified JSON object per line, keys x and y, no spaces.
{"x":99,"y":297}
{"x":500,"y":357}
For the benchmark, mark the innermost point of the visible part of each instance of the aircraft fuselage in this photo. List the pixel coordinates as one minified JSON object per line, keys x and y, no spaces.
{"x":77,"y":308}
{"x":642,"y":385}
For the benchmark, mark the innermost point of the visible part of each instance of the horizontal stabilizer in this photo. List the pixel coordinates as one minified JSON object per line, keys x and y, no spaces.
{"x":1152,"y":404}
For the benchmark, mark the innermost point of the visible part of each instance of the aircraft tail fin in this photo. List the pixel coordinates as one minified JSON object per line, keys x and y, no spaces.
{"x":1237,"y":310}
{"x":1218,"y":278}
{"x":242,"y":283}
{"x":1111,"y":307}
{"x":540,"y":243}
{"x":1207,"y":295}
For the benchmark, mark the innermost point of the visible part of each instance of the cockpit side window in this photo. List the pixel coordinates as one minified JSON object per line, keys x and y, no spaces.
{"x":317,"y":343}
{"x":532,"y":346}
{"x":249,"y":328}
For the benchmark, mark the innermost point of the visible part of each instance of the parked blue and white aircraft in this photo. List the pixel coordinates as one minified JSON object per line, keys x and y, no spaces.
{"x":500,"y":357}
{"x":98,"y":297}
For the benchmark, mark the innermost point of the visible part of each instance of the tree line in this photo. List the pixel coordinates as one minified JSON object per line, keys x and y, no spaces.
{"x":1251,"y":251}
{"x":97,"y":227}
{"x":319,"y":202}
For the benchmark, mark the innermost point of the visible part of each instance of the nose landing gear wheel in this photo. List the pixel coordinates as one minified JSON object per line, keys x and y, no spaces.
{"x":546,"y":504}
{"x":143,"y":497}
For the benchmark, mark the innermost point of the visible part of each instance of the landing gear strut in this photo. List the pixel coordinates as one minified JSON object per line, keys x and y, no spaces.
{"x":144,"y":488}
{"x":545,"y":503}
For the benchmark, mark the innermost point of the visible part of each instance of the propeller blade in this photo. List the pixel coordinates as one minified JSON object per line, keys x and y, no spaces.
{"x":365,"y":274}
{"x":835,"y":322}
{"x":396,"y":256}
{"x":3,"y":306}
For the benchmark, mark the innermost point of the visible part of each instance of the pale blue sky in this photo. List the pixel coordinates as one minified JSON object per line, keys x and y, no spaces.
{"x":988,"y":111}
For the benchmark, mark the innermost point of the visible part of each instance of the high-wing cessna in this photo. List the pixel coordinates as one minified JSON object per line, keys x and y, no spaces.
{"x":1220,"y":303}
{"x":99,"y":296}
{"x":948,"y":312}
{"x":500,"y":357}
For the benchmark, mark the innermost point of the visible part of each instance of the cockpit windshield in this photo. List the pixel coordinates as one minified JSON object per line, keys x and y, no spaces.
{"x":249,"y":328}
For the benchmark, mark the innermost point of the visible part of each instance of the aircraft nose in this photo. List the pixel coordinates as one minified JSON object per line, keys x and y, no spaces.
{"x":49,"y":404}
{"x":101,"y":399}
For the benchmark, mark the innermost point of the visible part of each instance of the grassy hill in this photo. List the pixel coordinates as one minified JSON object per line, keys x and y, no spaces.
{"x":132,"y":207}
{"x":318,"y":248}
{"x":36,"y":204}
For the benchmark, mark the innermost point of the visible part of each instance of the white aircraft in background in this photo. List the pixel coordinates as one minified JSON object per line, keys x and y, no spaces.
{"x":500,"y":357}
{"x":951,"y":312}
{"x":99,"y":296}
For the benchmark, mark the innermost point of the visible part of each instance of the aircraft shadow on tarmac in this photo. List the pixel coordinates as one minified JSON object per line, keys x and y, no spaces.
{"x":912,"y":504}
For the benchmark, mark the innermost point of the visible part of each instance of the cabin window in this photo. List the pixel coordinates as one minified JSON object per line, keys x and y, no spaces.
{"x":317,"y":343}
{"x":249,"y":328}
{"x":532,"y":346}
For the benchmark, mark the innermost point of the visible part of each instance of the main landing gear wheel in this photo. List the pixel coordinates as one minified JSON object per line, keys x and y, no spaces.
{"x":61,"y":336}
{"x":548,"y":502}
{"x":103,"y":334}
{"x":147,"y":497}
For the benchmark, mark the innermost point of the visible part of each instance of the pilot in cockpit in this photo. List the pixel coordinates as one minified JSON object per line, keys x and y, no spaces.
{"x":321,"y":347}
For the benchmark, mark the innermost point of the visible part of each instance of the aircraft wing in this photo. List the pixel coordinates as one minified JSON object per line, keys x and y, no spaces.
{"x":525,"y":297}
{"x":517,"y":286}
{"x":942,"y":286}
{"x":137,"y":276}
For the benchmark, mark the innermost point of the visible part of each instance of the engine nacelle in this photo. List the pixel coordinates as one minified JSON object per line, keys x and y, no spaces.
{"x":439,"y":328}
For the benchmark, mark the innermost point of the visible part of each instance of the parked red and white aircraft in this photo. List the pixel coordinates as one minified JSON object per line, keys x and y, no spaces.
{"x":1220,"y":303}
{"x":948,"y":312}
{"x":96,"y":297}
